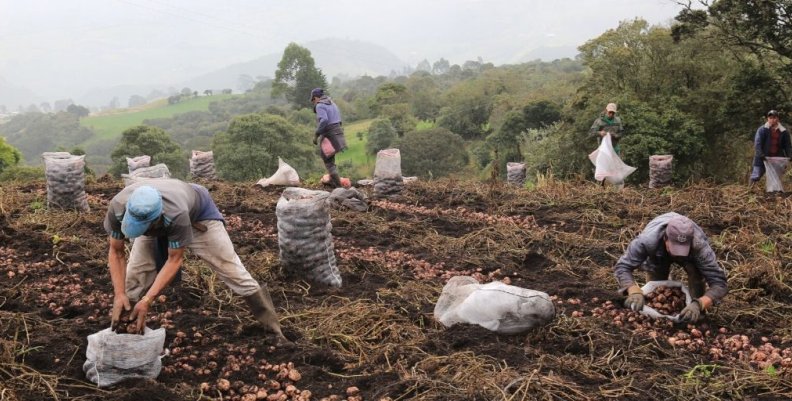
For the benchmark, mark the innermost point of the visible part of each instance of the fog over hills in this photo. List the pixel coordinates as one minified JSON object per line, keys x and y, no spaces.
{"x":94,"y":50}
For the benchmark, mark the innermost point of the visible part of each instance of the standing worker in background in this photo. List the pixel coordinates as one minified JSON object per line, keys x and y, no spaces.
{"x":185,"y":216}
{"x":672,"y":238}
{"x":608,"y":123}
{"x":329,"y":135}
{"x":771,"y":140}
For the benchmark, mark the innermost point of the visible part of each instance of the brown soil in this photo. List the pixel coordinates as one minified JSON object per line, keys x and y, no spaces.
{"x":377,"y":332}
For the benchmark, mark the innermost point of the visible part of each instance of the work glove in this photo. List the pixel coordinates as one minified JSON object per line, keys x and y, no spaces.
{"x":635,"y":298}
{"x":634,"y":302}
{"x":691,"y":313}
{"x":120,"y":304}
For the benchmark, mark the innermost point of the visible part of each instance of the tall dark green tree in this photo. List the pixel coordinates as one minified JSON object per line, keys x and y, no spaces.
{"x":432,"y":153}
{"x":250,"y":148}
{"x":151,"y":141}
{"x":296,"y":76}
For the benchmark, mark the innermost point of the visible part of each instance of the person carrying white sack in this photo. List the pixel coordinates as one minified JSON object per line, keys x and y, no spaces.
{"x":172,"y":214}
{"x":672,"y":239}
{"x":771,"y":140}
{"x":329,"y":134}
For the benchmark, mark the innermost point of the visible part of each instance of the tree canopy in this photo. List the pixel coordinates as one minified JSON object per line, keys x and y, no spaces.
{"x":151,"y":141}
{"x":296,"y":76}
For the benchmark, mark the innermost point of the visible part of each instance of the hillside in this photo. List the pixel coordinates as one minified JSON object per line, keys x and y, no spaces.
{"x":375,"y":338}
{"x":111,"y":124}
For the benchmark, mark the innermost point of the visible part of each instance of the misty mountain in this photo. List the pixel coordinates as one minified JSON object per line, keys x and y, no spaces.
{"x":102,"y":97}
{"x":12,"y":96}
{"x":335,"y":57}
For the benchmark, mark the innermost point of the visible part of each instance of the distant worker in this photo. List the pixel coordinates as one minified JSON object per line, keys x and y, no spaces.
{"x":328,"y":126}
{"x":180,"y":216}
{"x":608,"y":123}
{"x":672,"y":238}
{"x":771,"y":140}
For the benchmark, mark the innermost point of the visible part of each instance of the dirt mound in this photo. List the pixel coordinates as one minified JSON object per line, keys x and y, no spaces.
{"x":375,"y":338}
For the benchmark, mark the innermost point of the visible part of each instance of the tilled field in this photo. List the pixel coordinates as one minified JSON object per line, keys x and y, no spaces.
{"x":375,"y":338}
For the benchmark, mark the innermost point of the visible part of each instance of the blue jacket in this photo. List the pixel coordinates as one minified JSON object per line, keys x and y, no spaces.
{"x":327,"y":114}
{"x":762,"y":144}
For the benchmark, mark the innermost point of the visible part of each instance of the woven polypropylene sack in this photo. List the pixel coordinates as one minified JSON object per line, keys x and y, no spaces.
{"x":65,"y":175}
{"x":497,"y":307}
{"x":305,"y":240}
{"x":135,"y":163}
{"x":111,"y":357}
{"x":202,"y":165}
{"x":660,"y":170}
{"x":515,"y":173}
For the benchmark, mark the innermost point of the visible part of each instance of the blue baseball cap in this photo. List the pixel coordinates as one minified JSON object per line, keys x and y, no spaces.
{"x":317,"y":92}
{"x":142,"y":208}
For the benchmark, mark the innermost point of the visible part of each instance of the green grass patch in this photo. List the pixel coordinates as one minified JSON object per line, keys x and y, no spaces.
{"x":355,"y":155}
{"x":425,"y":125}
{"x":112,"y":124}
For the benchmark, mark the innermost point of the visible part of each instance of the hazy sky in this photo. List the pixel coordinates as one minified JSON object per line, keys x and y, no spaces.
{"x":57,"y":47}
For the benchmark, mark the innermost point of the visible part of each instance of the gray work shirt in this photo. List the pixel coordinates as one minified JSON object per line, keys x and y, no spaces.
{"x":644,"y":252}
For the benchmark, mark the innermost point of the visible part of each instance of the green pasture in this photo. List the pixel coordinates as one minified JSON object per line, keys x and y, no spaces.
{"x":112,"y":124}
{"x":355,"y":155}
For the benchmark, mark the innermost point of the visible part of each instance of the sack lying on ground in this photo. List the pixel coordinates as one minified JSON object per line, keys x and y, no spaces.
{"x":202,"y":165}
{"x":144,"y":173}
{"x":285,"y":175}
{"x":651,"y":286}
{"x":348,"y":198}
{"x":774,"y":170}
{"x":495,"y":306}
{"x":65,"y":175}
{"x":608,"y":165}
{"x":304,"y":235}
{"x":660,"y":173}
{"x":387,"y":174}
{"x":135,"y":163}
{"x":111,"y":357}
{"x":515,"y":173}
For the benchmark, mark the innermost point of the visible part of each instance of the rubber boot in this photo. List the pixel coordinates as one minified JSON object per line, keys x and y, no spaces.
{"x":262,"y":308}
{"x":335,"y":180}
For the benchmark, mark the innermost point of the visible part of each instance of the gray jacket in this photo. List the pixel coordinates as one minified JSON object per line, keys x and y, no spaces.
{"x":645,"y":252}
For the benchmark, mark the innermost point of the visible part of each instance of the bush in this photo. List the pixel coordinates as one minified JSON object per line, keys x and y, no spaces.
{"x":431,"y":153}
{"x":22,"y":174}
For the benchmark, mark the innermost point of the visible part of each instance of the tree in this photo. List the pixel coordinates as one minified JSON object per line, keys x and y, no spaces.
{"x":424,"y":66}
{"x":136,"y":100}
{"x":151,"y":141}
{"x":9,"y":155}
{"x":432,"y":153}
{"x":381,"y":135}
{"x":186,"y":92}
{"x":440,"y":66}
{"x":77,"y":110}
{"x":207,"y":92}
{"x":250,"y":148}
{"x":296,"y":76}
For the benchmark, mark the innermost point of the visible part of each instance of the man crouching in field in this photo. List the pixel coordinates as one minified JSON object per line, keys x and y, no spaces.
{"x":183,"y":215}
{"x":672,"y":238}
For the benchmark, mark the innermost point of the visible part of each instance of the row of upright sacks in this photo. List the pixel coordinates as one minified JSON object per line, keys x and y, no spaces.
{"x":65,"y":175}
